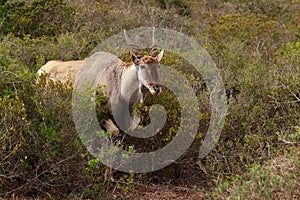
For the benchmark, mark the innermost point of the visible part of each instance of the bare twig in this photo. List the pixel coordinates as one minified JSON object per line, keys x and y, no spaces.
{"x":288,"y":142}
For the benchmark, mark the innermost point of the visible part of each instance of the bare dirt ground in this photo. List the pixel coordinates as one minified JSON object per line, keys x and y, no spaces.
{"x":163,"y":192}
{"x":189,"y":186}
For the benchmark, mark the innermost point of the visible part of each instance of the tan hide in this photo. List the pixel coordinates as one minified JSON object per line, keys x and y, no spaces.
{"x":60,"y":71}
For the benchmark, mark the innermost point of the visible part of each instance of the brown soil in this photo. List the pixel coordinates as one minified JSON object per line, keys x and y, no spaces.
{"x":162,"y":192}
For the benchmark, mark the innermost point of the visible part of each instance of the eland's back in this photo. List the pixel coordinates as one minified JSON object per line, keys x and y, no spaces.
{"x":101,"y":68}
{"x":60,"y":71}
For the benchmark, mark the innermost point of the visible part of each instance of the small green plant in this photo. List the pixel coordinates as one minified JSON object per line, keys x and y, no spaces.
{"x":126,"y":182}
{"x":92,"y":165}
{"x":195,"y":188}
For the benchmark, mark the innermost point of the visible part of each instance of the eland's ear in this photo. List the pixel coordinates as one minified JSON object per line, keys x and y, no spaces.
{"x":160,"y":55}
{"x":135,"y":59}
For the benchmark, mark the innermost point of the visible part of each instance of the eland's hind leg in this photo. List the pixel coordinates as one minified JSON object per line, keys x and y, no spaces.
{"x":111,"y":127}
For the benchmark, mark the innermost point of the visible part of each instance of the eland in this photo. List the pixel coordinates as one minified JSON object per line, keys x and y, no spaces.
{"x":125,"y":83}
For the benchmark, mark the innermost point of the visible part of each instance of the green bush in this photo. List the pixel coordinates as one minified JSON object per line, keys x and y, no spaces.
{"x":41,"y":154}
{"x":13,"y":125}
{"x":276,"y":9}
{"x":277,"y":179}
{"x":259,"y":105}
{"x":241,"y":37}
{"x":180,"y":5}
{"x":266,"y":103}
{"x":36,"y":19}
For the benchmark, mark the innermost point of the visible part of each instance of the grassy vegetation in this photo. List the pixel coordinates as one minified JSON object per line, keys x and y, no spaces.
{"x":255,"y":44}
{"x":278,"y":178}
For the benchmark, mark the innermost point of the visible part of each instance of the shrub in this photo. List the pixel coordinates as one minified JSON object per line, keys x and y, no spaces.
{"x":36,"y":19}
{"x":13,"y":125}
{"x":244,"y":36}
{"x":252,"y":78}
{"x":181,"y":6}
{"x":284,"y":87}
{"x":42,"y":155}
{"x":277,"y":179}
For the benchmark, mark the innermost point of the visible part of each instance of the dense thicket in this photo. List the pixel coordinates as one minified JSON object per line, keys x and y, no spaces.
{"x":255,"y":44}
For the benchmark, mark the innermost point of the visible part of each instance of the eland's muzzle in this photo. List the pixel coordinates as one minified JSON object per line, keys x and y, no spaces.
{"x":156,"y":89}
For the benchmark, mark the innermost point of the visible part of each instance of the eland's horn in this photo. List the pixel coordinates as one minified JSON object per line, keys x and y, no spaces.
{"x":153,"y":49}
{"x":134,"y":47}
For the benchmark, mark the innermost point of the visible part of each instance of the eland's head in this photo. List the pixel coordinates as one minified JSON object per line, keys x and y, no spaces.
{"x":147,"y":66}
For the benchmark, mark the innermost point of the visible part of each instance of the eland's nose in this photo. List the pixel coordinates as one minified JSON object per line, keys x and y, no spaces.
{"x":157,"y":89}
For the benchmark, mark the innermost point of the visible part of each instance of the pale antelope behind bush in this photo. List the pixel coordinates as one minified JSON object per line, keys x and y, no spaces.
{"x":119,"y":78}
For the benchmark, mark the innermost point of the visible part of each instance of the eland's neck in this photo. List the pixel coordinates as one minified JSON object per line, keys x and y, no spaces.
{"x":129,"y":82}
